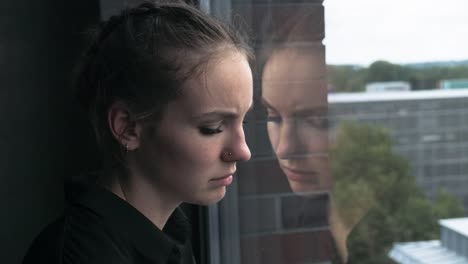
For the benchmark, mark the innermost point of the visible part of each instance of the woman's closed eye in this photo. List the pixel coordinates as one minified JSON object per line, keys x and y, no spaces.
{"x":210,"y":130}
{"x":274,"y":118}
{"x":316,"y":121}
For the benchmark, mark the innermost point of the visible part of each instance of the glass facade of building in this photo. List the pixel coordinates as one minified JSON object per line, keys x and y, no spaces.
{"x":427,"y":127}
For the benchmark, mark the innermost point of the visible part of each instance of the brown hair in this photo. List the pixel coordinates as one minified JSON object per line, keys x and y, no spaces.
{"x":143,"y":56}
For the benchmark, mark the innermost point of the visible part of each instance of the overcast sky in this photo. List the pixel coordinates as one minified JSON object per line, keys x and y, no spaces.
{"x":400,"y":31}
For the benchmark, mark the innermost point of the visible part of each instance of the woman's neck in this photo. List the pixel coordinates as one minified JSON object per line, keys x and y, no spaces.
{"x":142,"y":195}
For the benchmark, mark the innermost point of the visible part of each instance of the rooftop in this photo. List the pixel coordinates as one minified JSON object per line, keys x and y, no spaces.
{"x":424,"y":252}
{"x":459,"y":225}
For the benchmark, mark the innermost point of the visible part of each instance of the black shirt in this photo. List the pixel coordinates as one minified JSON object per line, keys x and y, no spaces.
{"x":99,"y":227}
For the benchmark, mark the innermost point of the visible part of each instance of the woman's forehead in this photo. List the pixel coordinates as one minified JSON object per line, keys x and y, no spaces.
{"x":296,"y":91}
{"x":293,"y":78}
{"x":226,"y":84}
{"x":294,"y":65}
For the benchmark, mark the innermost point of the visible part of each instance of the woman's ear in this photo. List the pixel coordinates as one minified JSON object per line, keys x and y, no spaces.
{"x":123,"y":127}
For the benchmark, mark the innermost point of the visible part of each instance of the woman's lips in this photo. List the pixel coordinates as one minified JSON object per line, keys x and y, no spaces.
{"x":222,"y":181}
{"x":301,"y":175}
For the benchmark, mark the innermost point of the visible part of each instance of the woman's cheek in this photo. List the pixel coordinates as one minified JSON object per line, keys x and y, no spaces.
{"x":315,"y":140}
{"x":273,"y":133}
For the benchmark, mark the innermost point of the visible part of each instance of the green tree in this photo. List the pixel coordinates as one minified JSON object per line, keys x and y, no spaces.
{"x":351,"y":78}
{"x":447,"y":206}
{"x":346,"y":78}
{"x":374,"y":191}
{"x":384,"y":71}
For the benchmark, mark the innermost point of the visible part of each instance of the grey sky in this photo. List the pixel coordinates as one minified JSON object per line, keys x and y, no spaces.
{"x":400,"y":31}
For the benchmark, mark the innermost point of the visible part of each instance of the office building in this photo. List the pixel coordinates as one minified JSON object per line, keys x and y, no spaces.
{"x":429,"y":128}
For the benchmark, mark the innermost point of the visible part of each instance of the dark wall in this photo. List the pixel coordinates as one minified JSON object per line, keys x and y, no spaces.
{"x":40,"y":131}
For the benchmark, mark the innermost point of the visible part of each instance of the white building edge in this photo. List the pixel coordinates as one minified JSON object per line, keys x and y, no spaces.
{"x":452,"y":248}
{"x":337,"y":98}
{"x":388,"y":86}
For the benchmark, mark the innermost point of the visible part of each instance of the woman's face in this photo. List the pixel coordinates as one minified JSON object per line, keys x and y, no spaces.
{"x":185,"y":154}
{"x":296,"y":102}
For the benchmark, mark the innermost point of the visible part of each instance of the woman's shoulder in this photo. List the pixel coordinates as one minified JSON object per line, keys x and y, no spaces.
{"x":79,"y":236}
{"x":46,"y":247}
{"x":99,"y":227}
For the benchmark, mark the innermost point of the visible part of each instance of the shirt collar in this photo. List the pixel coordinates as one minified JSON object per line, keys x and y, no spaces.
{"x":134,"y":227}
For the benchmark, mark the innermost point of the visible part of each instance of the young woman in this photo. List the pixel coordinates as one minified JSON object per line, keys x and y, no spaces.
{"x":167,"y":88}
{"x":294,"y":94}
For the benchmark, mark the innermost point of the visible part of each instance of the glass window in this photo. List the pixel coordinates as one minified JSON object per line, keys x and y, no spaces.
{"x":338,"y":172}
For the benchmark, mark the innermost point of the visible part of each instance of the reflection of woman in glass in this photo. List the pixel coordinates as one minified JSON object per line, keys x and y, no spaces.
{"x":294,"y":93}
{"x":167,"y":89}
{"x":296,"y":102}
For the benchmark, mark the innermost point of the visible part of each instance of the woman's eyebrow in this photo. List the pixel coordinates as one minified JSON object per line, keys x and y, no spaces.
{"x":311,"y":111}
{"x":300,"y":112}
{"x":217,"y":114}
{"x":221,"y":114}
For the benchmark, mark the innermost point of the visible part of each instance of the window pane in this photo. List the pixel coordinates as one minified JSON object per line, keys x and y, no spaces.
{"x":357,"y":155}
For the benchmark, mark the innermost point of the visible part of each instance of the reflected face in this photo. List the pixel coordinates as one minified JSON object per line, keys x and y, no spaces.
{"x":296,"y":102}
{"x":184,"y":154}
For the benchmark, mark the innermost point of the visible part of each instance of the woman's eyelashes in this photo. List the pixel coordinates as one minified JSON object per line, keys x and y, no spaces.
{"x":315,"y":121}
{"x":208,"y":131}
{"x":274,"y":118}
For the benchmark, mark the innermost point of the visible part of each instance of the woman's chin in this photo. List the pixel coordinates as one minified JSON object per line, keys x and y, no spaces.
{"x":308,"y":188}
{"x":210,"y":198}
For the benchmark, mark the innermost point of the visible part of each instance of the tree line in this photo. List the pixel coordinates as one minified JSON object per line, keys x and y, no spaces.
{"x":369,"y":175}
{"x":352,"y":78}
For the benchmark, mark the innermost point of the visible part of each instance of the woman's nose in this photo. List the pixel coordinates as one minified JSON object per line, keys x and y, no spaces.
{"x":238,"y":148}
{"x":288,"y":145}
{"x":243,"y":152}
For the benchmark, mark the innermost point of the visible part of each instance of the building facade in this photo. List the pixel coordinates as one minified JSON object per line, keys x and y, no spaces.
{"x":429,"y":128}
